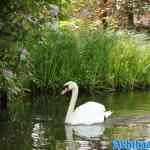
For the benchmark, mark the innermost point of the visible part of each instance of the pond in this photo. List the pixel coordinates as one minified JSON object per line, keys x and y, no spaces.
{"x":39,"y":124}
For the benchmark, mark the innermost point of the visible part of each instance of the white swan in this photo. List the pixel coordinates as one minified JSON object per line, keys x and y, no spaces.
{"x":88,"y":113}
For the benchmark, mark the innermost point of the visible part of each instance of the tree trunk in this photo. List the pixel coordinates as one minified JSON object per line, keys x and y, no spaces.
{"x":130,"y":19}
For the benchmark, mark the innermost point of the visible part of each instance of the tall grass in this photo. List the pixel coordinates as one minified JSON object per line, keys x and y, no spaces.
{"x":102,"y":60}
{"x":56,"y":59}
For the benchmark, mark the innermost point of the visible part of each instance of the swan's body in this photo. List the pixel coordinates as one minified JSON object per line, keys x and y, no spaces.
{"x":88,"y":113}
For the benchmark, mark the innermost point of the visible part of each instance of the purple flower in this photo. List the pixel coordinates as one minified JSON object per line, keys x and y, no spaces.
{"x":23,"y":54}
{"x":54,"y":10}
{"x":24,"y":51}
{"x":7,"y":73}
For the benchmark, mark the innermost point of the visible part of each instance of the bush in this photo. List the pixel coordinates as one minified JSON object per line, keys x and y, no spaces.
{"x":15,"y":70}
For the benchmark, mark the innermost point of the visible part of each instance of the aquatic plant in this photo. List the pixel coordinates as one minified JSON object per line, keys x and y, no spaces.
{"x":97,"y":59}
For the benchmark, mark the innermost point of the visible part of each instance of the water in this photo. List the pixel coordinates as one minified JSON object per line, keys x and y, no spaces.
{"x":39,"y":123}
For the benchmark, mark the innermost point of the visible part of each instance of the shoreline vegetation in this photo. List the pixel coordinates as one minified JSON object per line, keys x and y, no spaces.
{"x":97,"y":60}
{"x":43,"y":46}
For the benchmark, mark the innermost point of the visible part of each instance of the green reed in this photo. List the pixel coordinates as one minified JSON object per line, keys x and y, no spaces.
{"x":95,"y":59}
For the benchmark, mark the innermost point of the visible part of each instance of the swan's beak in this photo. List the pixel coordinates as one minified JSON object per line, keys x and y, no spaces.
{"x":64,"y":91}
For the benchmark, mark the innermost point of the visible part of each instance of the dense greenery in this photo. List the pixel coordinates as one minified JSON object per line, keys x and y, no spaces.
{"x":18,"y":20}
{"x":33,"y":56}
{"x":96,"y":59}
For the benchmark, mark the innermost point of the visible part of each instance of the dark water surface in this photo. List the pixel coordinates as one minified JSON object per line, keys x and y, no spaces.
{"x":39,"y":124}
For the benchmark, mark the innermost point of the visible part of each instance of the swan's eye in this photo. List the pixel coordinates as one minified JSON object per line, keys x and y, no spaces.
{"x":66,"y":87}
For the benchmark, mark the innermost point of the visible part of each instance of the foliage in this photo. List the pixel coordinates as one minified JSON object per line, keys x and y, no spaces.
{"x":17,"y":21}
{"x":15,"y":68}
{"x":50,"y":59}
{"x":123,"y":13}
{"x":96,"y":59}
{"x":18,"y":17}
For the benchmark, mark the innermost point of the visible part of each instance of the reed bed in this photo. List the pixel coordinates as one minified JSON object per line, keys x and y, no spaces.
{"x":102,"y":60}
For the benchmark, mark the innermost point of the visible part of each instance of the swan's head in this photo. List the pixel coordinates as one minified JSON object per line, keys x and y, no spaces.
{"x":69,"y":86}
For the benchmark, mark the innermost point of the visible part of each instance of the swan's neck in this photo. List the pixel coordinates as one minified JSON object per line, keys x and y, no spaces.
{"x":72,"y":104}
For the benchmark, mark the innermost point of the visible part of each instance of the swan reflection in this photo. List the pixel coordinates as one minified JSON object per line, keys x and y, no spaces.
{"x":84,"y":137}
{"x":38,"y":136}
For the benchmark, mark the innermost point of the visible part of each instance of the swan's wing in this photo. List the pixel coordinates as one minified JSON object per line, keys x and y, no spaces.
{"x":88,"y":113}
{"x":94,"y":105}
